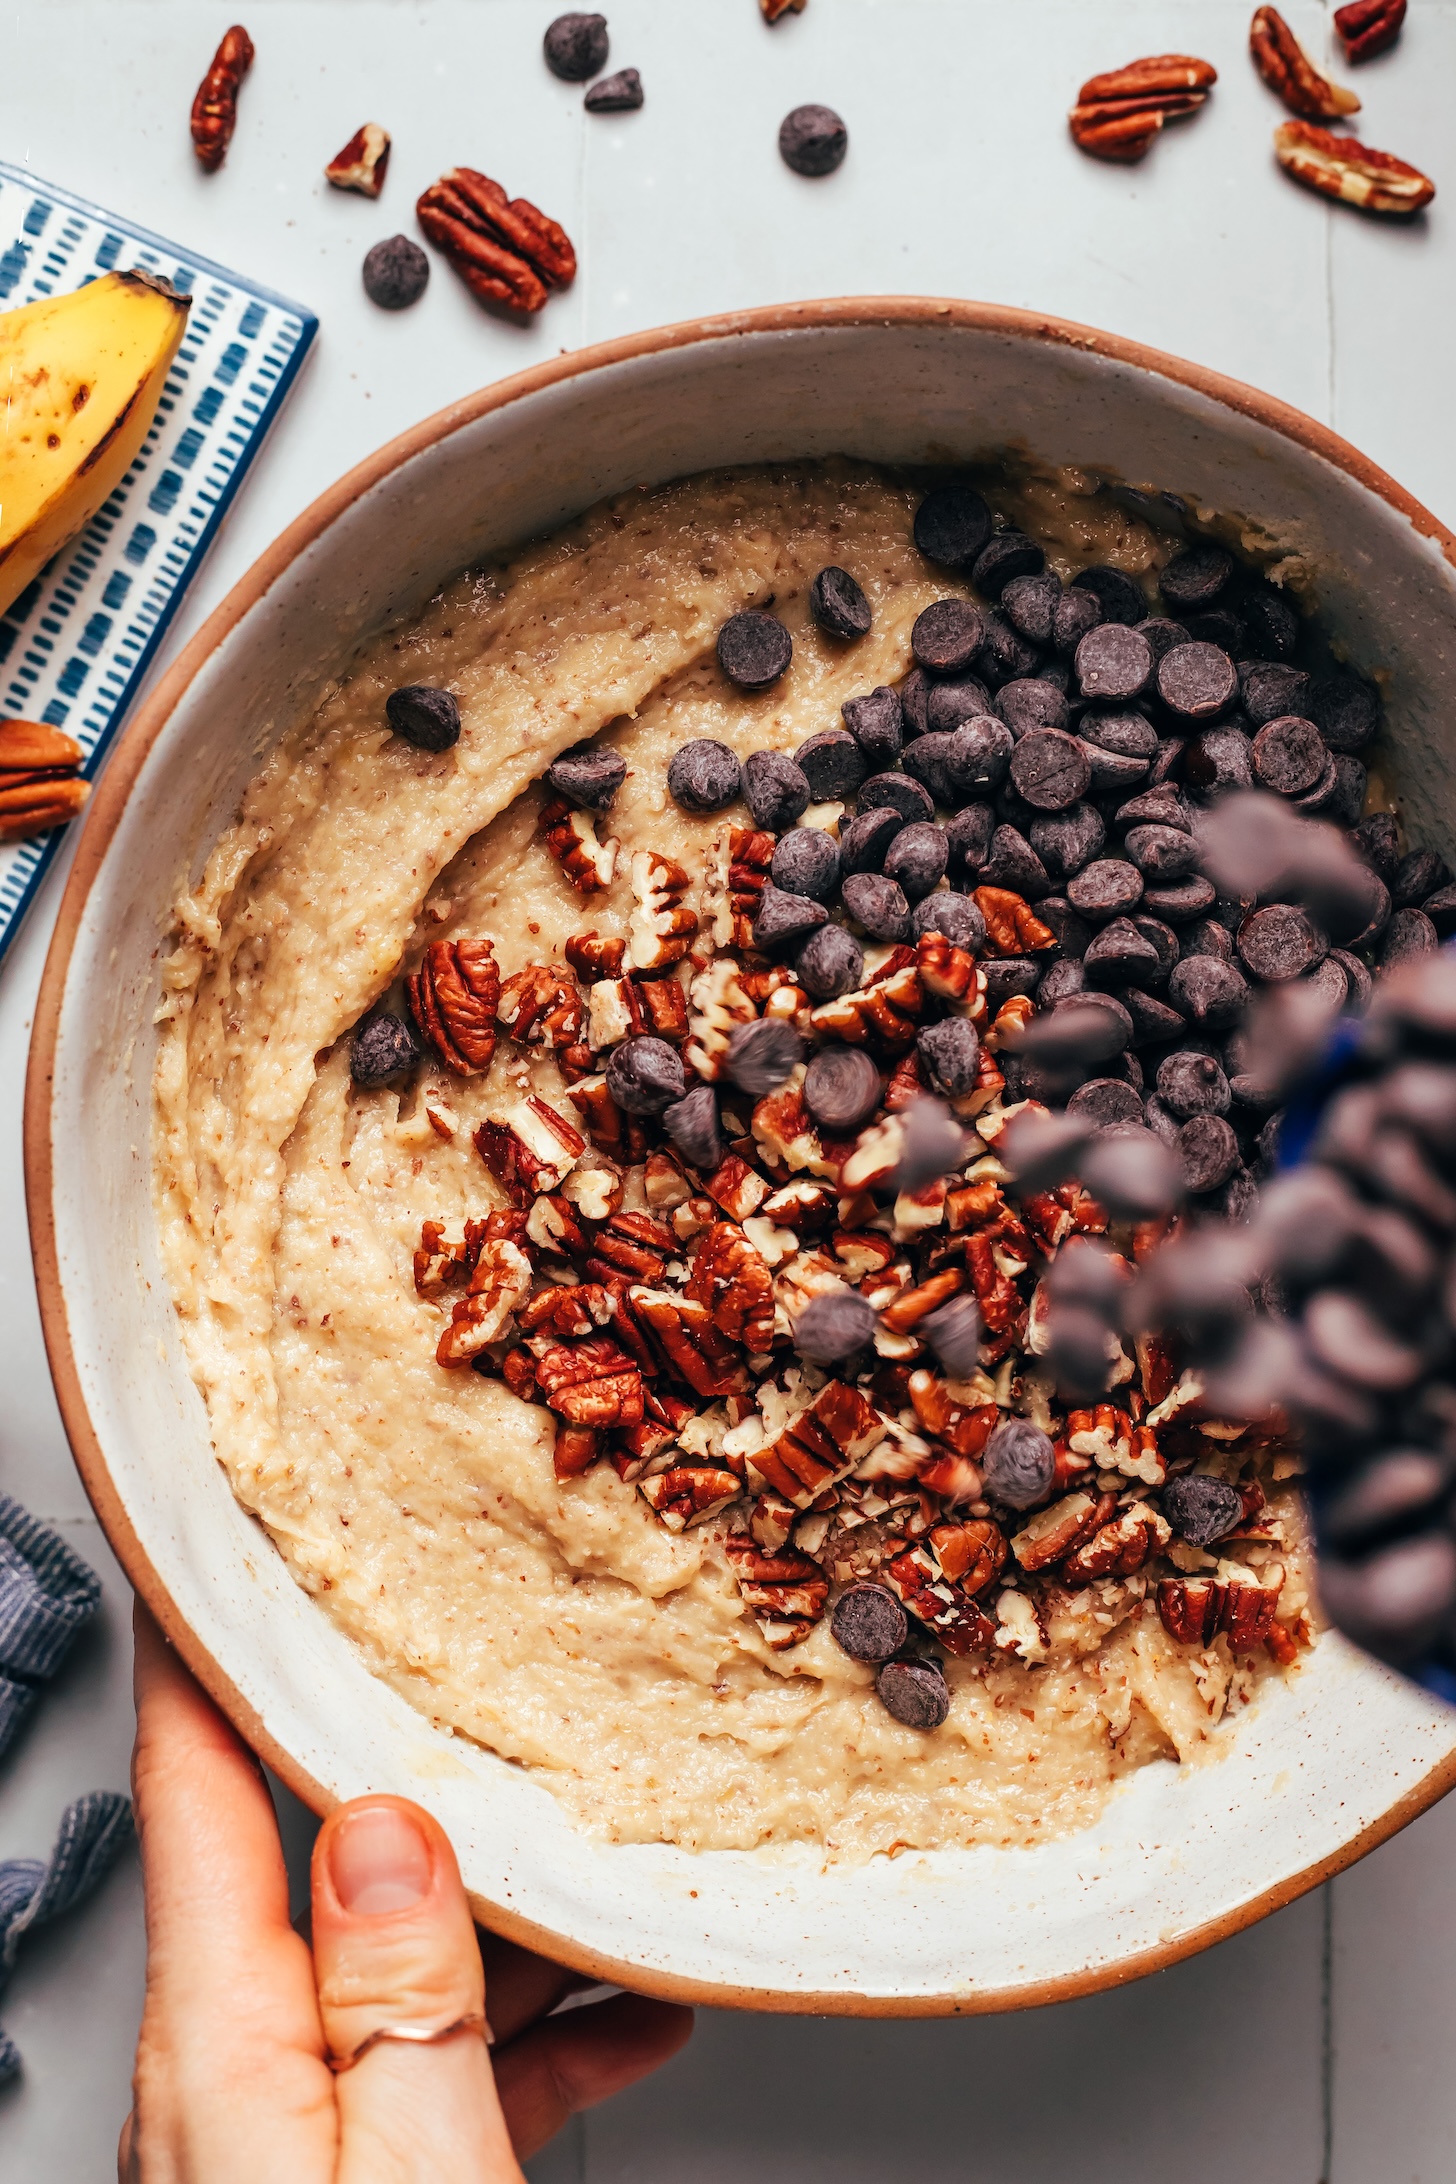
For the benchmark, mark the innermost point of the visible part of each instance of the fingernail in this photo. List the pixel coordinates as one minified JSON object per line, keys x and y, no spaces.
{"x":379,"y":1861}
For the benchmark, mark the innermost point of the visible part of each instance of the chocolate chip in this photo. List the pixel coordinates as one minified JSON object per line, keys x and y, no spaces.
{"x":896,"y":792}
{"x":619,"y":94}
{"x":954,"y":915}
{"x":868,"y":1623}
{"x":1168,"y":764}
{"x":576,"y":47}
{"x":588,"y":780}
{"x":1133,"y":1173}
{"x":1009,"y":556}
{"x":1162,"y":807}
{"x":704,"y":775}
{"x":1328,"y":980}
{"x":396,"y":273}
{"x":1113,"y":662}
{"x":1197,"y":681}
{"x":948,"y":705}
{"x":914,"y":695}
{"x":838,"y":605}
{"x":1006,"y":975}
{"x":1207,"y":991}
{"x":1359,"y":984}
{"x":1028,"y":603}
{"x":1344,"y":711}
{"x":954,"y":1333}
{"x":1290,"y":755}
{"x":1125,"y":735}
{"x":863,"y":843}
{"x":877,"y":724}
{"x":754,"y":649}
{"x":782,"y":921}
{"x":1019,"y":1464}
{"x":1191,"y":1083}
{"x":1105,"y":1101}
{"x":832,"y":1327}
{"x":877,"y":904}
{"x":976,"y":758}
{"x":1161,"y":853}
{"x":917,"y":859}
{"x":1202,"y":1509}
{"x":1067,"y":840}
{"x":1280,"y":941}
{"x":831,"y":962}
{"x":1409,"y":934}
{"x":1268,"y":690}
{"x":1080,"y":1032}
{"x":383,"y":1047}
{"x":1073,"y":615}
{"x":1161,"y":937}
{"x":946,"y":636}
{"x":806,"y":862}
{"x":968,"y":838}
{"x":1029,"y":703}
{"x":1271,"y":625}
{"x":1346,"y":800}
{"x":833,"y":765}
{"x":1220,"y":627}
{"x":1161,"y":634}
{"x":776,"y":790}
{"x":1154,"y":1023}
{"x":1367,"y":918}
{"x":1208,"y":937}
{"x":1440,"y":908}
{"x":1184,"y":899}
{"x":1122,"y":956}
{"x":841,"y":1089}
{"x":1195,"y":578}
{"x":1120,"y":598}
{"x":927,"y":760}
{"x":1208,"y":1152}
{"x":914,"y":1692}
{"x":425,"y":717}
{"x":949,"y":1052}
{"x":1005,"y":655}
{"x":645,"y":1075}
{"x":1107,"y":888}
{"x":812,"y":140}
{"x":952,"y":525}
{"x":1112,"y":774}
{"x":1417,"y":876}
{"x":1219,"y":761}
{"x":763,"y":1055}
{"x":1014,"y":864}
{"x":1050,"y":770}
{"x":1060,"y":981}
{"x":692,"y":1125}
{"x":1384,"y":1496}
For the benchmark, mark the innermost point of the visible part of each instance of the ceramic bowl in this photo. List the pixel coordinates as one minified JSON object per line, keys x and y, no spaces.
{"x":1319,"y":1771}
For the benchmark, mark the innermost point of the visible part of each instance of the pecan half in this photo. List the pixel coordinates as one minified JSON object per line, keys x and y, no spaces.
{"x":215,"y":107}
{"x":821,"y":1446}
{"x":40,"y":784}
{"x":1288,"y":70}
{"x":1367,"y":27}
{"x":1117,"y":115}
{"x":571,"y":837}
{"x":453,"y":998}
{"x":661,"y":925}
{"x":591,"y":1383}
{"x":501,"y":1281}
{"x":363,"y":163}
{"x":1338,"y":166}
{"x":687,"y":1494}
{"x":733,"y":1281}
{"x":540,"y":1006}
{"x":1011,"y":924}
{"x":1195,"y":1609}
{"x":506,"y":251}
{"x":691,"y":1344}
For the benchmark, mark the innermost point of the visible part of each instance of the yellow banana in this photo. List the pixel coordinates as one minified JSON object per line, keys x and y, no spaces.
{"x":80,"y":378}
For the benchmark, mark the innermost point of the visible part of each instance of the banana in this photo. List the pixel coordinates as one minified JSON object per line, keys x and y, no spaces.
{"x":80,"y":379}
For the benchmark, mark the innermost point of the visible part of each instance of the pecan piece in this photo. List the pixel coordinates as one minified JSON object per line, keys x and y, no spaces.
{"x":1290,"y":73}
{"x":1367,"y":27}
{"x":1117,"y":115}
{"x":906,"y":1310}
{"x":551,"y":1225}
{"x":771,"y":10}
{"x":608,"y":1128}
{"x":591,"y":1383}
{"x":575,"y":1450}
{"x":1119,"y":1547}
{"x":1338,"y":166}
{"x":733,"y":1281}
{"x":363,"y":162}
{"x":750,"y":853}
{"x":215,"y":107}
{"x":995,"y":1291}
{"x":453,"y":997}
{"x":969,"y":1554}
{"x":821,"y":1446}
{"x":40,"y":783}
{"x":501,"y":1281}
{"x":661,"y":925}
{"x":1060,"y":1529}
{"x":439,"y":1265}
{"x":568,"y":1314}
{"x":780,"y":1588}
{"x":1012,"y":1018}
{"x":687,"y":1494}
{"x":884,"y":1012}
{"x":964,"y":1427}
{"x":620,"y":1008}
{"x":571,"y":837}
{"x":956,"y":1620}
{"x":1108,"y":1438}
{"x":529,"y":1149}
{"x":1195,"y":1609}
{"x":720,"y":1003}
{"x":691,"y":1344}
{"x":506,"y":251}
{"x":737,"y":1188}
{"x":1012,"y":926}
{"x":592,"y":958}
{"x":783,"y":1127}
{"x":906,"y":1086}
{"x":540,"y":1006}
{"x":635,"y":1245}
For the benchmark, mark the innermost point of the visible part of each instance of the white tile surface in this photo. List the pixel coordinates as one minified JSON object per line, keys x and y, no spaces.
{"x":960,"y":181}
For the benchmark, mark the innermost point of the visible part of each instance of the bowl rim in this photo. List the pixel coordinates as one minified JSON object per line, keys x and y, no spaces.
{"x":127,"y":758}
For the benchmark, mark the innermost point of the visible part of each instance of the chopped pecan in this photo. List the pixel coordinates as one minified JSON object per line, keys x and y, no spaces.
{"x":733,"y":1281}
{"x":687,"y":1494}
{"x":608,"y":1128}
{"x":551,"y":1225}
{"x":592,"y":958}
{"x":801,"y":1205}
{"x":996,"y":1293}
{"x":883,"y":1013}
{"x":771,"y":10}
{"x":1368,"y":27}
{"x":821,"y":1446}
{"x":862,"y":1252}
{"x":974,"y":1205}
{"x":771,"y":1522}
{"x":969,"y":1554}
{"x":501,"y":1281}
{"x":750,"y":854}
{"x":439,"y":1265}
{"x":664,"y":1183}
{"x":1195,"y":1609}
{"x":593,"y":1190}
{"x":737,"y":1188}
{"x":907,"y":1084}
{"x":783,"y":1127}
{"x":576,"y":1450}
{"x":529,"y":1149}
{"x":215,"y":107}
{"x":518,"y":1371}
{"x":720,"y":1004}
{"x":964,"y":1427}
{"x":694,"y":1349}
{"x":780,"y":1588}
{"x":660,"y":926}
{"x":689,"y":1220}
{"x":591,"y":1383}
{"x":571,"y":837}
{"x":1108,"y":1438}
{"x":1060,"y":1529}
{"x":943,"y":1607}
{"x":568,"y":1314}
{"x":636,"y":1245}
{"x":540,"y":1006}
{"x":640,"y":1449}
{"x":453,"y":996}
{"x":913,"y":1305}
{"x":363,"y":162}
{"x":1119,"y":1547}
{"x":622,"y":1008}
{"x":1011,"y":924}
{"x":506,"y":251}
{"x":874,"y":1156}
{"x":1290,"y":73}
{"x":1117,"y":115}
{"x":1338,"y":166}
{"x":950,"y":973}
{"x":1012,"y":1018}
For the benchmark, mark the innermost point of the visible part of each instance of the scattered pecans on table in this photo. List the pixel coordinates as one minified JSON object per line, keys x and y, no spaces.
{"x":215,"y":107}
{"x":1117,"y":115}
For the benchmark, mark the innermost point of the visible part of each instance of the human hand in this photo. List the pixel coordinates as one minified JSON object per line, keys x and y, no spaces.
{"x":232,"y":2080}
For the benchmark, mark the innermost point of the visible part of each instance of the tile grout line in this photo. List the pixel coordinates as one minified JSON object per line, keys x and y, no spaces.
{"x":1327,"y":2034}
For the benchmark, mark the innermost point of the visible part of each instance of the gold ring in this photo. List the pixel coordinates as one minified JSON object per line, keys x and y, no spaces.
{"x":418,"y":2035}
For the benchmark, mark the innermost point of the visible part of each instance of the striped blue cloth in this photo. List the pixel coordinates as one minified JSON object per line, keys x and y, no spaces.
{"x":47,"y":1594}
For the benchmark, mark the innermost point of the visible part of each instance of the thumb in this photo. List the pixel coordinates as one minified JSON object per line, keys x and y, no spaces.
{"x":394,"y":1944}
